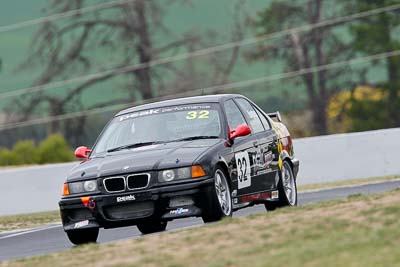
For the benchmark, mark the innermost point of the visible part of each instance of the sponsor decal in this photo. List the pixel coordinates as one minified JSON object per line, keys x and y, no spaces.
{"x":139,"y":114}
{"x":275,"y":194}
{"x":258,"y":196}
{"x":258,"y":160}
{"x":260,"y":172}
{"x":126,"y":198}
{"x":243,"y":169}
{"x":234,"y":193}
{"x":268,"y":158}
{"x":202,"y":114}
{"x":179,"y":211}
{"x":81,"y":224}
{"x":162,"y":110}
{"x":180,"y":201}
{"x":182,"y":108}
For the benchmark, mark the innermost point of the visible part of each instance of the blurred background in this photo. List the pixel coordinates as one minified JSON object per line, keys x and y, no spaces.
{"x":67,"y":66}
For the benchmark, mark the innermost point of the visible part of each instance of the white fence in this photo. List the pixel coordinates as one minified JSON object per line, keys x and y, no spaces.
{"x":348,"y":156}
{"x":322,"y":159}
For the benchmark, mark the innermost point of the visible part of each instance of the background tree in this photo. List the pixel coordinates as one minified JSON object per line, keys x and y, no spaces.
{"x":126,"y":34}
{"x":372,"y":35}
{"x":65,"y":48}
{"x":304,"y":50}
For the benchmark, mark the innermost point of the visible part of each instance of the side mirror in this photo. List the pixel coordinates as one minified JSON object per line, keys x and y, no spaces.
{"x":82,"y":152}
{"x":241,"y":130}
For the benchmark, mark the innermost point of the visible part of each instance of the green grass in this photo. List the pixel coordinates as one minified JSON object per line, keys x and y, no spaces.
{"x":358,"y":231}
{"x":23,"y":221}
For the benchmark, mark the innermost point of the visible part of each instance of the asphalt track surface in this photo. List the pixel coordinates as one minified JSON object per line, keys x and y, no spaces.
{"x":51,"y":238}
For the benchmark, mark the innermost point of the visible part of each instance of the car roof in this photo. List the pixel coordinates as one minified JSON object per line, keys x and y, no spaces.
{"x":181,"y":101}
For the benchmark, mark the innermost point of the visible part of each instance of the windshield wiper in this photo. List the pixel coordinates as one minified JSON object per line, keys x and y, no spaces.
{"x":190,"y":138}
{"x":132,"y":146}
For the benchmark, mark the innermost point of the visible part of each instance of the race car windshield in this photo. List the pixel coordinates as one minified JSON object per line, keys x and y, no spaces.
{"x":159,"y":125}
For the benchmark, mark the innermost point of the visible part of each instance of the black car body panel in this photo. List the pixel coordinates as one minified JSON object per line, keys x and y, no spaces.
{"x":251,"y":162}
{"x":152,"y":157}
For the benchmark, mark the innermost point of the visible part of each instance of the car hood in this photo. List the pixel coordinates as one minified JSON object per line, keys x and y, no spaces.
{"x":146,"y":158}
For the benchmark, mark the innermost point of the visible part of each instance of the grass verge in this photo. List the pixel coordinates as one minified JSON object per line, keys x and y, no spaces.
{"x":23,"y":221}
{"x":358,"y":231}
{"x":347,"y":182}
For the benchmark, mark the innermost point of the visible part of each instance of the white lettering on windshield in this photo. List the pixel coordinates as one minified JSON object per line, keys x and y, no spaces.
{"x":163,"y":110}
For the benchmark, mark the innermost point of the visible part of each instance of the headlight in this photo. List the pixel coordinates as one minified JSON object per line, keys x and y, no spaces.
{"x":75,"y":188}
{"x":90,"y":186}
{"x":82,"y":187}
{"x":168,"y":175}
{"x":180,"y":173}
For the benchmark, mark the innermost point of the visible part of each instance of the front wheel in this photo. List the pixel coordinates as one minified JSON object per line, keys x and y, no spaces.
{"x":219,"y":199}
{"x":83,"y":236}
{"x":150,"y":227}
{"x":287,"y":189}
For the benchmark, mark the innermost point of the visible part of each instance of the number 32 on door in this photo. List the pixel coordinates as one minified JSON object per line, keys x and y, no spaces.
{"x":243,"y":169}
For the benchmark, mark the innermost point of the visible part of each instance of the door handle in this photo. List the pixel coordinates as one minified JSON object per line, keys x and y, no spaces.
{"x":255,"y":143}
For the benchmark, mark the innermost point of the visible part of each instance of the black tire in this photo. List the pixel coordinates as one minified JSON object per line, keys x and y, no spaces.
{"x":219,"y":199}
{"x":150,"y":227}
{"x":284,"y":199}
{"x":83,"y":236}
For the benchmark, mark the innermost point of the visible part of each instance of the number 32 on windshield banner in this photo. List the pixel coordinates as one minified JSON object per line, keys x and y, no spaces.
{"x":243,"y":169}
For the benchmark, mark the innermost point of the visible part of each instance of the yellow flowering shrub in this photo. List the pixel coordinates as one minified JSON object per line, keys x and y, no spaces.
{"x":339,"y":105}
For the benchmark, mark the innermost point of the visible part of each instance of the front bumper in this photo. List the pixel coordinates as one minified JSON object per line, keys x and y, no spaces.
{"x":132,"y":207}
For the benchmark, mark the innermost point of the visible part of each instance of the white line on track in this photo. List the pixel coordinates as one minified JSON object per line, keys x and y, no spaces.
{"x":32,"y":231}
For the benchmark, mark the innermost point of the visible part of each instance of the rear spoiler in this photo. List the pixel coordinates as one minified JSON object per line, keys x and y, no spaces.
{"x":275,"y":115}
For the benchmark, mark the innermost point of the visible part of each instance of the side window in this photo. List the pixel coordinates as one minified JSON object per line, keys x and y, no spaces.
{"x":264,"y":120}
{"x":255,"y":121}
{"x":233,"y":114}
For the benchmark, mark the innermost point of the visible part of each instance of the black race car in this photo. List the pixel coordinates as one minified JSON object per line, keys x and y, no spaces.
{"x":203,"y":156}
